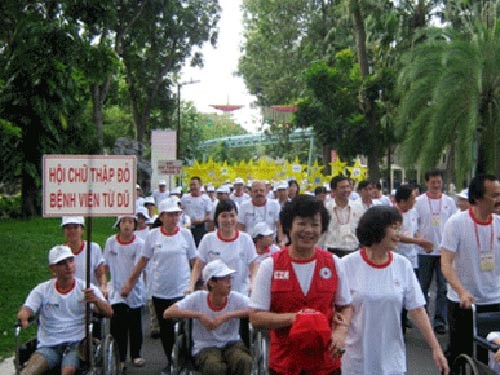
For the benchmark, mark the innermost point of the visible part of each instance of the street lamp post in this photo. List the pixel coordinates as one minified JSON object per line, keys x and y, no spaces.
{"x":179,"y":85}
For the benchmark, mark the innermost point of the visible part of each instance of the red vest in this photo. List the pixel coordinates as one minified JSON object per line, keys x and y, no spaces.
{"x":287,"y":296}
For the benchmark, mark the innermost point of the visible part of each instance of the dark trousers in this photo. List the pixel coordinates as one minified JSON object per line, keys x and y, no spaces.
{"x":198,"y":231}
{"x":166,"y":325}
{"x":126,"y":324}
{"x":335,"y":372}
{"x":430,"y":265}
{"x":460,"y":331}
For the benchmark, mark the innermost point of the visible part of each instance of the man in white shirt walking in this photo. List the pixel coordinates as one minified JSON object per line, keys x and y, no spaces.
{"x":433,"y":210}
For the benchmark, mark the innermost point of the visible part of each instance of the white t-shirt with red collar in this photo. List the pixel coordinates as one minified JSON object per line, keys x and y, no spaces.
{"x":121,"y":258}
{"x":374,"y":345}
{"x":270,"y":250}
{"x":432,"y":216}
{"x":462,"y":234}
{"x":169,"y":256}
{"x":238,"y":253}
{"x":96,"y":259}
{"x":62,"y":314}
{"x":227,"y":332}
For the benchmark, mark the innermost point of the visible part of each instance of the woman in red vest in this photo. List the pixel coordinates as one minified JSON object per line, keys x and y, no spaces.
{"x":298,"y":287}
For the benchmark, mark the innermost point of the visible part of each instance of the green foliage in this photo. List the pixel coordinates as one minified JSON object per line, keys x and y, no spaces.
{"x":449,"y":97}
{"x":10,"y":206}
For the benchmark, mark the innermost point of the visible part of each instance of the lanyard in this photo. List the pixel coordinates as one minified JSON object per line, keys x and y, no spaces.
{"x":255,"y":221}
{"x":348,"y":216}
{"x":492,"y":237}
{"x":430,"y":206}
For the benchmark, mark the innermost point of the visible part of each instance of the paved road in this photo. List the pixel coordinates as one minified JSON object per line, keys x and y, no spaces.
{"x":419,"y":355}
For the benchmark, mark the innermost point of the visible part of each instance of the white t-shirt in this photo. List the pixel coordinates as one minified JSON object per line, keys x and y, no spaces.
{"x":196,"y":207}
{"x":364,"y":207}
{"x":341,"y":232}
{"x":227,"y":332}
{"x":158,"y":196}
{"x":374,"y":345}
{"x":409,"y":229}
{"x":432,"y":215}
{"x":96,"y":259}
{"x":459,"y":236}
{"x":169,"y":256}
{"x":261,"y":294}
{"x":249,"y":215}
{"x":121,"y":258}
{"x":142,"y":233}
{"x":270,"y":251}
{"x":238,"y":254}
{"x":62,"y":316}
{"x":239,"y":200}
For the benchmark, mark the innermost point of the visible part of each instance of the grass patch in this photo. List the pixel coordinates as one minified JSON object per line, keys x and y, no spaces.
{"x":24,"y":264}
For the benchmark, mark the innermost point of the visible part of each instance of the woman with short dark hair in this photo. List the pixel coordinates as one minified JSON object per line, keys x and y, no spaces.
{"x":292,"y":282}
{"x":382,"y":283}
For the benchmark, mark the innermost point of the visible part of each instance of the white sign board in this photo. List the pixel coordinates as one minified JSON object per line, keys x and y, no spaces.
{"x":163,"y":147}
{"x":169,"y":167}
{"x":89,"y":185}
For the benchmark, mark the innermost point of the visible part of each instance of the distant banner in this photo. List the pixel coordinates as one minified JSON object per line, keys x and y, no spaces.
{"x":169,"y":167}
{"x":89,"y":185}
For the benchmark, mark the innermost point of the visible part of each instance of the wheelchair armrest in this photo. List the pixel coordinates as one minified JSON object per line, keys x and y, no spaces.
{"x":481,"y":341}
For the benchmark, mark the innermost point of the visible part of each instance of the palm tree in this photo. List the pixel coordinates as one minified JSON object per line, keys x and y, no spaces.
{"x":450,"y":92}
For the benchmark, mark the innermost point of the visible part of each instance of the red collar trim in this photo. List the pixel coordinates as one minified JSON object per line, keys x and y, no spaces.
{"x":440,"y":196}
{"x":375,"y":265}
{"x":301,"y":261}
{"x":260,"y":205}
{"x":265,"y":251}
{"x":67,"y":291}
{"x":164,"y":232}
{"x":236,"y":235}
{"x":123,"y":242}
{"x":215,"y":308}
{"x":82,"y":246}
{"x":478,"y":222}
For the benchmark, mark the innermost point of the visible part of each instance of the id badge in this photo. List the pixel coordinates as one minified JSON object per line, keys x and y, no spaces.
{"x":436,"y":221}
{"x":487,"y":261}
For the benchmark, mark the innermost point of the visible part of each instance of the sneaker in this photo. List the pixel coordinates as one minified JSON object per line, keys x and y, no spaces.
{"x":166,"y":371}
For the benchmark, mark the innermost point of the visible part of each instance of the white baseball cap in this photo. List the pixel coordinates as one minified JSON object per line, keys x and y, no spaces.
{"x":262,"y":228}
{"x":149,"y":200}
{"x":169,"y":205}
{"x":143,"y":211}
{"x":162,"y":182}
{"x":464,"y":194}
{"x":58,"y":253}
{"x":216,"y":268}
{"x":118,"y":219}
{"x":282,"y":185}
{"x":79,"y":220}
{"x":176,"y":190}
{"x":210,"y":188}
{"x":238,"y":180}
{"x":224,"y":189}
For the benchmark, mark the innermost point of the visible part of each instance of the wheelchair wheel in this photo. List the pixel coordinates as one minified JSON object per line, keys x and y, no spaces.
{"x":465,"y":365}
{"x":110,"y":357}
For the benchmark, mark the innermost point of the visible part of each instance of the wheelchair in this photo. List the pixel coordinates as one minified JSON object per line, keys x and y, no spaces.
{"x":104,"y":358}
{"x":483,"y":323}
{"x":183,"y":361}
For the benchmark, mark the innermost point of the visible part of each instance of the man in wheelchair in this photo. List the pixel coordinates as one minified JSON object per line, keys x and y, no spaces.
{"x":218,"y":348}
{"x":60,"y":304}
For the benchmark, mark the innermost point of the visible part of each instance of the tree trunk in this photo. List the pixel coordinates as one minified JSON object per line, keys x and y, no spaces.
{"x":367,"y":106}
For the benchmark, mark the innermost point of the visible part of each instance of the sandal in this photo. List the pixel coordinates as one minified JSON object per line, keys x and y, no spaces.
{"x":139,"y":362}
